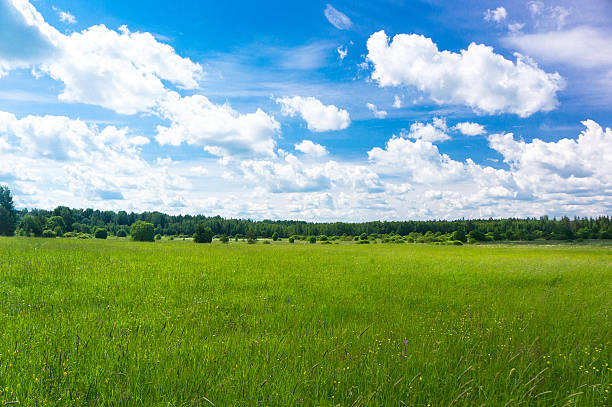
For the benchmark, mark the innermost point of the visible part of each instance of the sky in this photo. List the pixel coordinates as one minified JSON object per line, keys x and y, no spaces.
{"x":342,"y":111}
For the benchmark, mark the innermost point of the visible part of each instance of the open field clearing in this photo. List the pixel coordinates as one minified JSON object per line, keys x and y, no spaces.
{"x":173,"y":323}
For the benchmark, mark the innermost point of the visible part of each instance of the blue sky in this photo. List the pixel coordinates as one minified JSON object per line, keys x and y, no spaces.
{"x":309,"y":110}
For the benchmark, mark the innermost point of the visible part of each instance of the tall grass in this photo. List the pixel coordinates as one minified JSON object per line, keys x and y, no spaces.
{"x":179,"y":324}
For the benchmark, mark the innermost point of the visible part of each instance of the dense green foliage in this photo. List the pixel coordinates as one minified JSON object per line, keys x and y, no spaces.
{"x":100,"y":233}
{"x":8,"y":214}
{"x":142,"y":231}
{"x":203,"y":234}
{"x":86,"y":220}
{"x":112,"y":322}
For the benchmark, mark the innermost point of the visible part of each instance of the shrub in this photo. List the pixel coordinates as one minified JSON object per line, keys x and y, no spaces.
{"x":326,"y":242}
{"x":291,"y":239}
{"x":224,"y":239}
{"x":275,"y":236}
{"x":312,"y":239}
{"x":266,"y":242}
{"x":323,"y":238}
{"x":121,"y":233}
{"x":48,"y":233}
{"x":251,"y":241}
{"x":203,"y":234}
{"x":142,"y":231}
{"x":457,"y":242}
{"x":158,"y":237}
{"x":100,"y":233}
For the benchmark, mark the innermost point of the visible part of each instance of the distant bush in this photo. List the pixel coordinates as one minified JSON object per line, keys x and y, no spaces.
{"x":203,"y":234}
{"x":158,"y":237}
{"x":326,"y":242}
{"x":251,"y":241}
{"x":275,"y":236}
{"x":224,"y":239}
{"x":291,"y":239}
{"x":142,"y":231}
{"x":266,"y":242}
{"x":363,"y":242}
{"x":100,"y":233}
{"x":121,"y":233}
{"x":312,"y":239}
{"x":323,"y":238}
{"x":48,"y":233}
{"x":457,"y":242}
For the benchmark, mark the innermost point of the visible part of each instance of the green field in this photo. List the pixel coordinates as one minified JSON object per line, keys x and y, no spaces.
{"x":173,"y":323}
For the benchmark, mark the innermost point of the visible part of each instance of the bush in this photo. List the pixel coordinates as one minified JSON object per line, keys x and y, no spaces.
{"x":224,"y":239}
{"x":323,"y":238}
{"x":142,"y":231}
{"x":266,"y":242}
{"x":326,"y":242}
{"x":100,"y":233}
{"x":48,"y":233}
{"x":457,"y":242}
{"x":158,"y":237}
{"x":312,"y":239}
{"x":275,"y":236}
{"x":291,"y":239}
{"x":203,"y":234}
{"x":121,"y":233}
{"x":363,"y":242}
{"x":251,"y":241}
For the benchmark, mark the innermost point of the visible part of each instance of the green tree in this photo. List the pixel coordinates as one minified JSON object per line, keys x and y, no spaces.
{"x":31,"y":225}
{"x":56,"y":224}
{"x":8,"y":214}
{"x":203,"y":234}
{"x":142,"y":231}
{"x":275,"y":236}
{"x":459,"y":235}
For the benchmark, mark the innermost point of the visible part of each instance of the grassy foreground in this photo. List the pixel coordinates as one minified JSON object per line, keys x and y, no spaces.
{"x":179,"y":324}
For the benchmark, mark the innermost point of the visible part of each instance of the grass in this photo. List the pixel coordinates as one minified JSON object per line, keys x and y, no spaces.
{"x":173,"y":323}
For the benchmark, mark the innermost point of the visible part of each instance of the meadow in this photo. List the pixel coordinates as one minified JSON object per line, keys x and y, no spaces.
{"x":173,"y":323}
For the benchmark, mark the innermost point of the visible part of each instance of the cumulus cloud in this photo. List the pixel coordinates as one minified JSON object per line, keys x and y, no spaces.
{"x":470,"y":129}
{"x":379,"y":114}
{"x":219,"y":129}
{"x":418,"y":161}
{"x":318,"y":117}
{"x":342,"y":52}
{"x":66,"y":17}
{"x":567,"y":166}
{"x":476,"y":77}
{"x":432,"y":132}
{"x":310,"y":148}
{"x":337,"y":19}
{"x":497,"y":15}
{"x":121,"y":71}
{"x":118,"y":70}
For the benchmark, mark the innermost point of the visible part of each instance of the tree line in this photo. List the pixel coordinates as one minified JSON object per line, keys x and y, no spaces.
{"x":71,"y":222}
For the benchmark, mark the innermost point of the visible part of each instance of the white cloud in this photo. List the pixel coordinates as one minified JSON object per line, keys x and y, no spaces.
{"x":497,"y":15}
{"x":476,"y":77}
{"x":342,"y":52}
{"x":432,"y":132}
{"x":319,"y":117}
{"x":337,"y":19}
{"x":66,"y":17}
{"x":565,"y":166}
{"x":584,"y":47}
{"x":310,"y":148}
{"x":417,"y":161}
{"x":220,"y":130}
{"x":535,"y":8}
{"x":515,"y":28}
{"x":379,"y":114}
{"x":397,"y":102}
{"x":470,"y":129}
{"x":121,"y":71}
